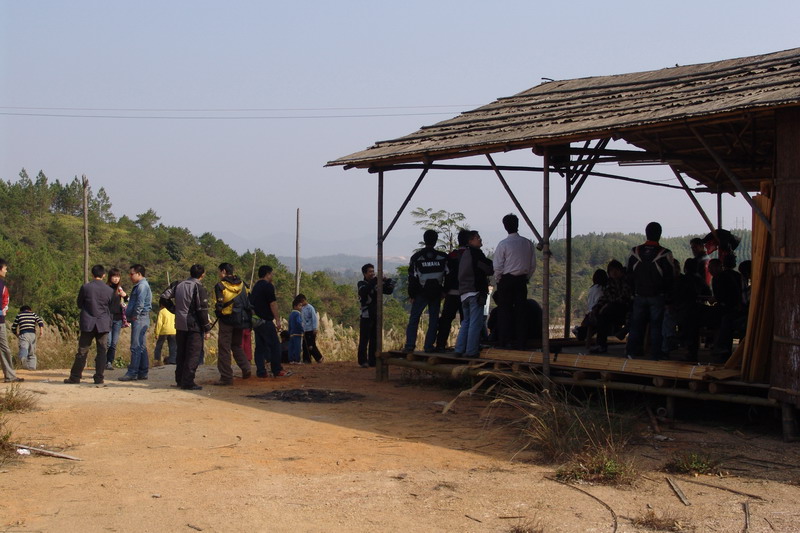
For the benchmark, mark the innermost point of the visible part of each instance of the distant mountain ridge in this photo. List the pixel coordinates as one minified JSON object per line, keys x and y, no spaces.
{"x":339,"y":263}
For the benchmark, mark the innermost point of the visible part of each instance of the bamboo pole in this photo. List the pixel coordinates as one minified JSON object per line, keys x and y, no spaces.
{"x":381,"y":370}
{"x":546,"y":266}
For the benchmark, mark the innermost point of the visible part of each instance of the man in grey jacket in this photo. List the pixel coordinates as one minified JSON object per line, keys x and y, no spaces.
{"x":94,"y":301}
{"x":191,"y":324}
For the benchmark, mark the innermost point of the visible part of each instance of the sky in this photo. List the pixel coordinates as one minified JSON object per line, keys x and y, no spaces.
{"x":220,"y":116}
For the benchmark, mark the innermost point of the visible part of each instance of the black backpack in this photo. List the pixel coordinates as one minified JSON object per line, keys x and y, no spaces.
{"x":648,"y":277}
{"x":241,"y":315}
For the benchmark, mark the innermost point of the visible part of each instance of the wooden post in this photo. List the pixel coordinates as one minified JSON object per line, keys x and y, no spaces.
{"x":546,"y":268}
{"x":85,"y":182}
{"x":297,"y":256}
{"x":568,"y":259}
{"x":785,"y":364}
{"x":381,"y":369}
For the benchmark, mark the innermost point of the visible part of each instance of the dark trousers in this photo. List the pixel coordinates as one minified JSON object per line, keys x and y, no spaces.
{"x":230,"y":342}
{"x":610,"y":319}
{"x":512,"y":303}
{"x":367,"y":341}
{"x":170,"y":339}
{"x":310,"y":347}
{"x":451,"y":306}
{"x":187,"y":358}
{"x":268,"y":348}
{"x":84,"y":344}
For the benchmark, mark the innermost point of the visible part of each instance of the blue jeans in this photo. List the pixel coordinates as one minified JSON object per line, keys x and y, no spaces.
{"x":140,"y":360}
{"x":646,"y":308}
{"x":419,"y":305}
{"x":295,"y":347}
{"x":27,"y":350}
{"x":469,"y":336}
{"x":113,"y":337}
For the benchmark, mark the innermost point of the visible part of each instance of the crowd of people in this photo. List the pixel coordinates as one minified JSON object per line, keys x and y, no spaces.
{"x":652,"y":296}
{"x":648,"y":297}
{"x":458,"y":282}
{"x":183,"y":324}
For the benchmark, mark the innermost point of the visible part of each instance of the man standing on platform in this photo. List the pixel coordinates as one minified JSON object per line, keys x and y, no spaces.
{"x":514,"y":264}
{"x":651,"y":269}
{"x":94,"y":301}
{"x":426,"y":272}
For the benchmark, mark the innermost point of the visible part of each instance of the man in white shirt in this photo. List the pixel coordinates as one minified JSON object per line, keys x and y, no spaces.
{"x":514,"y":264}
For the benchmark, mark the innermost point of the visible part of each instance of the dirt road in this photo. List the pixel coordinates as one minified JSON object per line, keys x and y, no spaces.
{"x":155,"y":458}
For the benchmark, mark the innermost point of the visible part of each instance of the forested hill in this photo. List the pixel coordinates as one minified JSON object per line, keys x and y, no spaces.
{"x":41,"y":237}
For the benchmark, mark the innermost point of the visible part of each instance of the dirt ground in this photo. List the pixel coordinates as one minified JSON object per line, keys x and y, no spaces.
{"x":155,"y":458}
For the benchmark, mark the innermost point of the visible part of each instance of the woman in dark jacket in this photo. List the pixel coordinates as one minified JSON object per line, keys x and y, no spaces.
{"x":117,"y":315}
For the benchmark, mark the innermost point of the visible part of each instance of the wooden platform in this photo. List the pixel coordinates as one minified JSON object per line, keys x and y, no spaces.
{"x":666,"y":378}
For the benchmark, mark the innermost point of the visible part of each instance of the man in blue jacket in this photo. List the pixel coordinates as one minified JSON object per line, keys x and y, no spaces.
{"x":138,"y":314}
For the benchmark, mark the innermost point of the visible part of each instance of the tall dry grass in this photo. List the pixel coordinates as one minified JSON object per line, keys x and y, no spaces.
{"x":337,"y":342}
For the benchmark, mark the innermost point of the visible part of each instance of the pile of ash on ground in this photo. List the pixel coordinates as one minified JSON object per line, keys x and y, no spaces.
{"x":309,"y":395}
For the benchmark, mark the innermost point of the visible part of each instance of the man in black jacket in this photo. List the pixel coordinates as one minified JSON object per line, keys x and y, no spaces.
{"x":191,"y":324}
{"x":426,"y":272}
{"x":368,"y":324}
{"x":474,"y":270}
{"x":651,"y":270}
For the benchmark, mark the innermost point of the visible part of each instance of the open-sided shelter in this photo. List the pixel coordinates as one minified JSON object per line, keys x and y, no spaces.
{"x":730,"y":126}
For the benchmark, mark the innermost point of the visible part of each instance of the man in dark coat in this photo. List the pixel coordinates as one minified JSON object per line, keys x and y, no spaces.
{"x":189,"y":299}
{"x":94,"y":301}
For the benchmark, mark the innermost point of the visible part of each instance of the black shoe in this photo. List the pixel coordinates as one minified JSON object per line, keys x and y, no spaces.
{"x":142,"y":378}
{"x":246,"y":374}
{"x":126,"y":377}
{"x":71,"y":381}
{"x":262,"y":375}
{"x":193,"y":387}
{"x":99,"y":381}
{"x":223,"y":383}
{"x":599,"y":349}
{"x":364,"y":365}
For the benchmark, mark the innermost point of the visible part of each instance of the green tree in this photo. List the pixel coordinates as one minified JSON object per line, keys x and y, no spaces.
{"x":447,"y":224}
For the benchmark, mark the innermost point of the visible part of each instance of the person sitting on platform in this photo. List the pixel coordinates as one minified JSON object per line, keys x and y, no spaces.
{"x":588,"y":327}
{"x":613,"y":306}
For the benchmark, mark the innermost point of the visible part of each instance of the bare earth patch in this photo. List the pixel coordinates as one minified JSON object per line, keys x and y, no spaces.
{"x":155,"y":458}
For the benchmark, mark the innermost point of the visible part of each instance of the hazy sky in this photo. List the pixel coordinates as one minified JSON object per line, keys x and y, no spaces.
{"x":221,"y":115}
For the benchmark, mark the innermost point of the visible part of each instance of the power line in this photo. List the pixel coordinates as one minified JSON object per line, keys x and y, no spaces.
{"x":203,"y":117}
{"x":230,"y":109}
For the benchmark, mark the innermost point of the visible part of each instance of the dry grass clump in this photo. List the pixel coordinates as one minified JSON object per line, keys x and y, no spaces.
{"x":527,"y":526}
{"x":588,"y":437}
{"x":15,"y":398}
{"x":7,"y":451}
{"x":693,"y":463}
{"x":599,"y":466}
{"x":666,"y":522}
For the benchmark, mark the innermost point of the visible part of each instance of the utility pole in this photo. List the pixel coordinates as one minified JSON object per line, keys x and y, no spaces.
{"x":297,"y":256}
{"x":85,"y":182}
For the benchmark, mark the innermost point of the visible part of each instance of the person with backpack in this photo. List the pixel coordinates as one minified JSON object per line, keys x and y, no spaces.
{"x":426,"y":272}
{"x":234,"y":314}
{"x":651,"y":271}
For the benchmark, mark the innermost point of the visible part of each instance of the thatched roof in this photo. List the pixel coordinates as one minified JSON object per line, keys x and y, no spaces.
{"x":729,"y":103}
